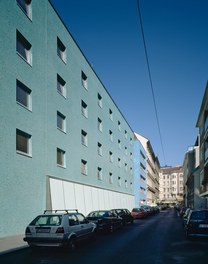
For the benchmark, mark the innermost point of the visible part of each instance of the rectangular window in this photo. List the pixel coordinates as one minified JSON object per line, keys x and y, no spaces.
{"x":126,"y":150}
{"x":119,"y":143}
{"x":126,"y":183}
{"x":110,"y":156}
{"x":119,"y":181}
{"x":84,"y":138}
{"x":110,"y":178}
{"x":84,"y":167}
{"x":99,"y":173}
{"x":23,"y":47}
{"x":23,"y":142}
{"x":119,"y":162}
{"x":84,"y":109}
{"x":100,"y":125}
{"x":111,"y":135}
{"x":100,"y":103}
{"x":61,"y":85}
{"x":125,"y":134}
{"x":61,"y":158}
{"x":61,"y":122}
{"x":100,"y":150}
{"x":61,"y":50}
{"x":111,"y":114}
{"x":84,"y":80}
{"x":23,"y":95}
{"x":25,"y":5}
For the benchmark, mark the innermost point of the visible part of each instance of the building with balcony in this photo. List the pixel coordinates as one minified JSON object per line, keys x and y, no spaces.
{"x":64,"y":142}
{"x":152,"y":171}
{"x":171,"y":185}
{"x":202,"y":124}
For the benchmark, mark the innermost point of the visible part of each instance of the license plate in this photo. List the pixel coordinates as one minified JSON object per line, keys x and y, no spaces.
{"x":203,"y":226}
{"x":42,"y":230}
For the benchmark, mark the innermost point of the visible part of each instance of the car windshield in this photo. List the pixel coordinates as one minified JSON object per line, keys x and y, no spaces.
{"x":199,"y":215}
{"x":49,"y":220}
{"x":99,"y":214}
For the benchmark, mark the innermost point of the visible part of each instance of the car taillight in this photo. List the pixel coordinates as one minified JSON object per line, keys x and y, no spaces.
{"x":27,"y":231}
{"x":60,"y":230}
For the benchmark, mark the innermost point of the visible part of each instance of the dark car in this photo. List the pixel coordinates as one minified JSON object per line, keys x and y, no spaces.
{"x":125,"y":215}
{"x":197,"y":223}
{"x":105,"y":220}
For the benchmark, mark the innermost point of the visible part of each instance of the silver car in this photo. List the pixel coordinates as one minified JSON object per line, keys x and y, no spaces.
{"x":59,"y":229}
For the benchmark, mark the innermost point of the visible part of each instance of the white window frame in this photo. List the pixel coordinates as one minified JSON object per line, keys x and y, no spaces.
{"x":100,"y":149}
{"x":83,"y":167}
{"x":111,"y":178}
{"x":23,"y":143}
{"x":110,"y":114}
{"x":111,"y":156}
{"x":23,"y":95}
{"x":100,"y":125}
{"x":111,"y":135}
{"x":84,"y":140}
{"x":23,"y":48}
{"x":100,"y":101}
{"x":84,"y":80}
{"x":26,"y":7}
{"x":84,"y":109}
{"x":61,"y":160}
{"x":100,"y":173}
{"x":61,"y":122}
{"x":61,"y":86}
{"x":61,"y":50}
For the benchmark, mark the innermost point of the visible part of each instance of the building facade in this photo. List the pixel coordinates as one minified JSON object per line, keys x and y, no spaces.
{"x":140,"y":175}
{"x":202,"y":124}
{"x":171,"y":185}
{"x":64,"y":142}
{"x":152,"y":171}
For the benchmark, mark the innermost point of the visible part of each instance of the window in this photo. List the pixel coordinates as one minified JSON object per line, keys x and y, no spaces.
{"x":100,"y":103}
{"x":84,"y":137}
{"x":126,"y":183}
{"x":111,"y":114}
{"x":111,"y":135}
{"x":131,"y":141}
{"x":61,"y":50}
{"x":119,"y":125}
{"x":110,"y":156}
{"x":131,"y":170}
{"x":126,"y":150}
{"x":99,"y":173}
{"x":23,"y":95}
{"x":61,"y":157}
{"x":100,"y":125}
{"x":84,"y":109}
{"x":84,"y":80}
{"x":125,"y":134}
{"x":61,"y":122}
{"x":110,"y":177}
{"x":84,"y":167}
{"x":126,"y":166}
{"x":61,"y":85}
{"x":23,"y":48}
{"x":119,"y":181}
{"x":25,"y":5}
{"x":131,"y":186}
{"x":23,"y":143}
{"x":100,"y":151}
{"x":119,"y":143}
{"x":119,"y":162}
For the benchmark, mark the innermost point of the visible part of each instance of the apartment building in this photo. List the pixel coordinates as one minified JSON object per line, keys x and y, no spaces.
{"x":202,"y":124}
{"x":171,"y":185}
{"x":140,"y":175}
{"x":152,"y":171}
{"x":64,"y":141}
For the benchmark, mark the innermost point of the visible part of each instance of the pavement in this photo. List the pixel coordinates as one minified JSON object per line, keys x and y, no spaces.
{"x":11,"y":243}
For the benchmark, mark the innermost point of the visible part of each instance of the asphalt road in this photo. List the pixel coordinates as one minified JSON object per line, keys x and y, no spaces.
{"x":158,"y":239}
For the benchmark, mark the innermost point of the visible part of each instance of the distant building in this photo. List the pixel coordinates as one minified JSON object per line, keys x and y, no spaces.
{"x":140,"y":173}
{"x":152,"y":171}
{"x":202,"y":124}
{"x":171,"y":185}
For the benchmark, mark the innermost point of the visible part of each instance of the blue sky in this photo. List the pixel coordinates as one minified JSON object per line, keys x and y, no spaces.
{"x":176,"y":33}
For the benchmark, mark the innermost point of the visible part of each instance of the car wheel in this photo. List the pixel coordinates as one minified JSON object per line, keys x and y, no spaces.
{"x":72,"y":244}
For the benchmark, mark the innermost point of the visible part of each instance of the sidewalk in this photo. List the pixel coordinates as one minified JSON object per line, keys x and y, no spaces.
{"x":11,"y":243}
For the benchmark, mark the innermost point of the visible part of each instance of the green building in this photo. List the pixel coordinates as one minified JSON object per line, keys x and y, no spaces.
{"x":64,"y":142}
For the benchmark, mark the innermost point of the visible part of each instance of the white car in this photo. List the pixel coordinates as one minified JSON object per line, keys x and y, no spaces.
{"x":59,"y":229}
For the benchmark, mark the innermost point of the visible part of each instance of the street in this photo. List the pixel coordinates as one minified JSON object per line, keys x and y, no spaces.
{"x":158,"y":239}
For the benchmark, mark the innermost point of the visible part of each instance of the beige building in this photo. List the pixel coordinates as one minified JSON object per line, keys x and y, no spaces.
{"x":152,"y":171}
{"x":171,"y":185}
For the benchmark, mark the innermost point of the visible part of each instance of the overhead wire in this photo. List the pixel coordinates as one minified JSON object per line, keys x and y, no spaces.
{"x":150,"y":78}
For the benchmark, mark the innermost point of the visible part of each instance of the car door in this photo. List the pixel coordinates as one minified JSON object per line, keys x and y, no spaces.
{"x":73,"y":225}
{"x":85,"y":226}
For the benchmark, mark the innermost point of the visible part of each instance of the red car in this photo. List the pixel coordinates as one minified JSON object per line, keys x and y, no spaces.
{"x":138,"y":213}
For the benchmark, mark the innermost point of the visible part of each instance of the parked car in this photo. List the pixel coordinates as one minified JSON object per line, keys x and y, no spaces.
{"x":182,"y":211}
{"x":138,"y":213}
{"x":125,"y":215}
{"x":197,"y":223}
{"x":59,"y":229}
{"x":105,"y":220}
{"x":185,"y":216}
